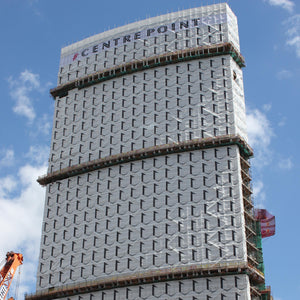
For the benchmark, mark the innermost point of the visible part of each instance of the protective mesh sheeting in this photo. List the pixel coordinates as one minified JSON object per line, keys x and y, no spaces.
{"x":179,"y":102}
{"x":174,"y":210}
{"x":153,"y":213}
{"x":195,"y":27}
{"x":214,"y":288}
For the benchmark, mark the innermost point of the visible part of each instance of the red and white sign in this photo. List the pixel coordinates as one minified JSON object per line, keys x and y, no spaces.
{"x":267,"y":222}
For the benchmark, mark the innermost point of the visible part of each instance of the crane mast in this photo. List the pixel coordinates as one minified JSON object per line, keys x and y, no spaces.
{"x":13,"y":261}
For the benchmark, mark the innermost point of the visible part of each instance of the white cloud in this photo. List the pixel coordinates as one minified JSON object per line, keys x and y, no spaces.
{"x":285,"y":163}
{"x":7,"y":157}
{"x":260,"y":134}
{"x":295,"y":42}
{"x":20,"y":91}
{"x":292,"y":25}
{"x":259,"y":195}
{"x":33,"y":4}
{"x":43,"y":125}
{"x":285,"y":4}
{"x":38,"y":154}
{"x":284,"y":74}
{"x":21,"y":216}
{"x":7,"y":185}
{"x":30,"y":78}
{"x":267,"y":107}
{"x":282,"y":122}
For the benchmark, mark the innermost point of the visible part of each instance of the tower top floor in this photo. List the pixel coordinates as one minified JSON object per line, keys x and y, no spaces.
{"x":208,"y":25}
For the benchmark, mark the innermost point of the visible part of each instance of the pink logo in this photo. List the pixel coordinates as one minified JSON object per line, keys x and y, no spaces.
{"x":75,"y":56}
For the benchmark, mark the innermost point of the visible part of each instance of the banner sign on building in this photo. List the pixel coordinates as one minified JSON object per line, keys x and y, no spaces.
{"x":267,"y":222}
{"x":142,"y":35}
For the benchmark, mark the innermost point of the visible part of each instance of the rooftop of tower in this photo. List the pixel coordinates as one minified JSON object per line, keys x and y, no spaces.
{"x":171,"y":17}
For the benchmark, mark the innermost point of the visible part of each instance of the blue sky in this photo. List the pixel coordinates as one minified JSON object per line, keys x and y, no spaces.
{"x":32,"y":34}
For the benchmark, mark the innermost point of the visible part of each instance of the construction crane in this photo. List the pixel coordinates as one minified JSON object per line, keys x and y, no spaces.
{"x":13,"y":261}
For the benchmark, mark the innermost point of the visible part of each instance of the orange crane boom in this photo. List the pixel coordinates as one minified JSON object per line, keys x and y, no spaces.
{"x":13,"y":261}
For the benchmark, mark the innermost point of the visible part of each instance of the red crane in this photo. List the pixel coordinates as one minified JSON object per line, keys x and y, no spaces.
{"x":13,"y":261}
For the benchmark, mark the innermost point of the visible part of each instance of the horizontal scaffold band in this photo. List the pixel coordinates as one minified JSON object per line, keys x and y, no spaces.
{"x":190,"y":145}
{"x":153,"y":276}
{"x":150,"y":62}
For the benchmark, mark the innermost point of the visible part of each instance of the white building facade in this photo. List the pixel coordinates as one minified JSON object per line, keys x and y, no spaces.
{"x":148,"y":186}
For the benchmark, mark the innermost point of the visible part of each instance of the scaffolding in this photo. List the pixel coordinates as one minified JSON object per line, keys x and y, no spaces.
{"x":150,"y":62}
{"x":168,"y":274}
{"x":254,"y":266}
{"x":250,"y":262}
{"x":253,"y":237}
{"x":177,"y":147}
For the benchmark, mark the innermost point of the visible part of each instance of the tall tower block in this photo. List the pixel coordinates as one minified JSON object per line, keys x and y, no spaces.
{"x":148,"y":186}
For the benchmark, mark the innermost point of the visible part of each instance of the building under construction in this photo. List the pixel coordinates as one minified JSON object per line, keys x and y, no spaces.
{"x":148,"y":185}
